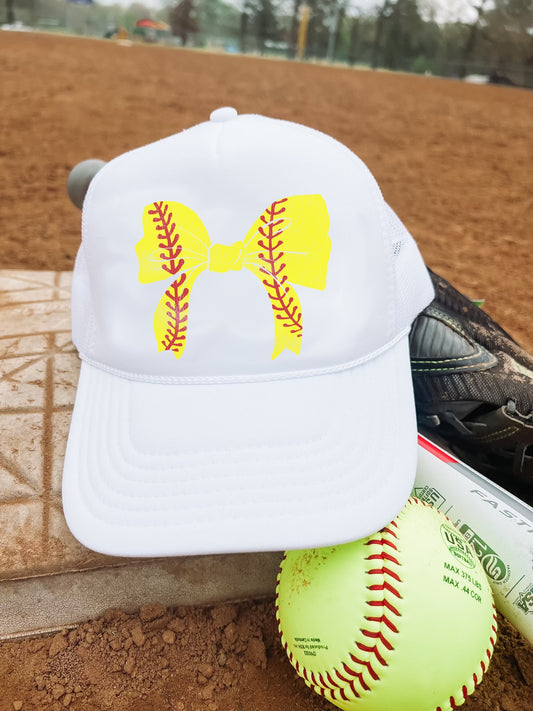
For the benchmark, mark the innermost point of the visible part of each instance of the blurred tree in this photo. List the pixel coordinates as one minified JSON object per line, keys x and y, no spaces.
{"x":26,"y":11}
{"x":260,"y":17}
{"x":503,"y":43}
{"x":469,"y":46}
{"x":401,"y":42}
{"x":384,"y":13}
{"x":266,"y":23}
{"x":357,"y":38}
{"x":243,"y":31}
{"x":451,"y":37}
{"x":397,"y":39}
{"x":183,"y":20}
{"x":336,"y":21}
{"x":10,"y":12}
{"x":322,"y":16}
{"x":353,"y":47}
{"x":509,"y":29}
{"x":218,"y":22}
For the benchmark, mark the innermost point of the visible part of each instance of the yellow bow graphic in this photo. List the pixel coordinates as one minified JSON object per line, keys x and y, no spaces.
{"x":287,"y":244}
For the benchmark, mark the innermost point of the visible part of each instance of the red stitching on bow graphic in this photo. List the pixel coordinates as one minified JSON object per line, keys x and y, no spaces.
{"x":169,"y":239}
{"x":276,"y":289}
{"x":174,"y":338}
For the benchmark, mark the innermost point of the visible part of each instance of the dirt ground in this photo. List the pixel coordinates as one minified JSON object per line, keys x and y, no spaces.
{"x":454,"y":160}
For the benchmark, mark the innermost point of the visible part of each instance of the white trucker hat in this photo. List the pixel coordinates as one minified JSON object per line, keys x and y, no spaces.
{"x":241,"y":303}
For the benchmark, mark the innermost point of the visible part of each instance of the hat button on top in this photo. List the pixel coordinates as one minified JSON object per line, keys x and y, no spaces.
{"x":226,"y":113}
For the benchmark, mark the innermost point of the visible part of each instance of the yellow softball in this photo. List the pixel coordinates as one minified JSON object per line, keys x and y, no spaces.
{"x":402,"y":620}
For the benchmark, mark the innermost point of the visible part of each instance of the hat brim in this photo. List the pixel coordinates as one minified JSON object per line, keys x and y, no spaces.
{"x":163,"y":470}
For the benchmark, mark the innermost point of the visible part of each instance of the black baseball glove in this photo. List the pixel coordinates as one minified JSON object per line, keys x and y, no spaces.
{"x":473,"y":388}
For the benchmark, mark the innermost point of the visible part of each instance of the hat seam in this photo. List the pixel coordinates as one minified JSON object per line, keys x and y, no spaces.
{"x":300,"y":455}
{"x":233,"y":379}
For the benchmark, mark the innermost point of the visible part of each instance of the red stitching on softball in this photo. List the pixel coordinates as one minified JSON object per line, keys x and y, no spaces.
{"x":348,"y":670}
{"x":419,"y":502}
{"x":276,"y":290}
{"x":373,"y":650}
{"x":387,"y":571}
{"x":354,"y":690}
{"x":341,"y":677}
{"x":350,"y":683}
{"x":383,"y":556}
{"x":332,"y":681}
{"x":482,"y":665}
{"x":355,"y":674}
{"x":377,"y":542}
{"x":353,"y":677}
{"x":383,"y":619}
{"x":313,"y":679}
{"x":384,"y":586}
{"x":373,"y":673}
{"x":386,"y":625}
{"x":387,"y":529}
{"x":378,"y":635}
{"x":384,"y":603}
{"x":375,"y":658}
{"x":323,"y":682}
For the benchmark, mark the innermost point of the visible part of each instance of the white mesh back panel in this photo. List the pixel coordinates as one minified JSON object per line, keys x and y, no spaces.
{"x":406,"y":256}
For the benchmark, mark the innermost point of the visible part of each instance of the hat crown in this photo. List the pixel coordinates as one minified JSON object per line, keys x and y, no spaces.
{"x":245,"y":247}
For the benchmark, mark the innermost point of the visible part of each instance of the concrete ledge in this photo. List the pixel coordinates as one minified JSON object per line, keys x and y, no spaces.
{"x":48,"y":580}
{"x":51,"y":602}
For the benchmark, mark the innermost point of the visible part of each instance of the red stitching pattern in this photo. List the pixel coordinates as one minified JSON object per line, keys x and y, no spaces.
{"x":350,"y":682}
{"x":356,"y":675}
{"x":169,"y":239}
{"x":332,"y":681}
{"x":383,"y":543}
{"x":384,"y":620}
{"x":378,"y":635}
{"x":175,"y":335}
{"x":353,"y":678}
{"x":388,"y":588}
{"x":276,"y":289}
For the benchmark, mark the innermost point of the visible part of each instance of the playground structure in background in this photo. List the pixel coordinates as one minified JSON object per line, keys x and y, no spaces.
{"x":146,"y":30}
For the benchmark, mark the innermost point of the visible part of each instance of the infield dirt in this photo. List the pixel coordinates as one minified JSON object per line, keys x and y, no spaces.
{"x":453,"y":160}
